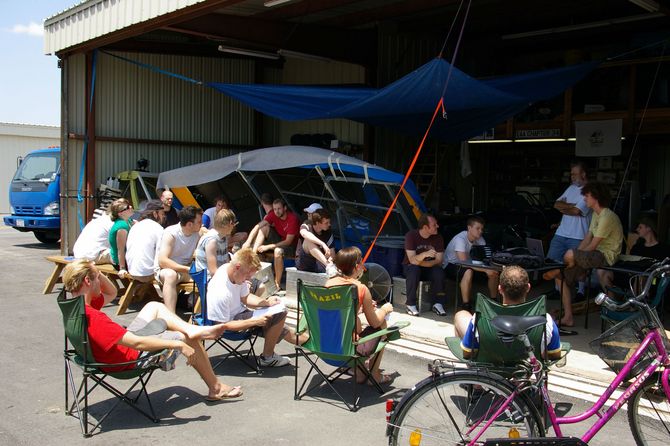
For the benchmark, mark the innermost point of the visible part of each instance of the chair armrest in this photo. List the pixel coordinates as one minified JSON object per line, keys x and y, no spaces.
{"x":99,"y":365}
{"x":391,"y":332}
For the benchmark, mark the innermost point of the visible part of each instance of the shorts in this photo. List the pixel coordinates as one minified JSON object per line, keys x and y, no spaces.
{"x":181,"y":277}
{"x":584,"y":260}
{"x":276,"y":319}
{"x":274,"y":238}
{"x":306,"y":262}
{"x":165,"y":361}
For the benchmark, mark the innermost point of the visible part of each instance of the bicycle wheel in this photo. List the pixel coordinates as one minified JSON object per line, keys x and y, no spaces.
{"x":649,"y":414}
{"x":454,"y":408}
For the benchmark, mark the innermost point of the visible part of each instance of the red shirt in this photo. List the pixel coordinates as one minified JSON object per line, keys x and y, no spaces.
{"x":289,"y":226}
{"x":103,"y":334}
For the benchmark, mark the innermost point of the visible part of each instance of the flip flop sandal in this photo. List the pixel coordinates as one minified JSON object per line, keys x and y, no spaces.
{"x":234,"y":392}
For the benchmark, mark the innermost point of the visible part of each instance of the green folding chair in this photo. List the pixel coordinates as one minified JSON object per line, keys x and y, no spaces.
{"x":77,"y":353}
{"x":329,"y":314}
{"x":492,"y":350}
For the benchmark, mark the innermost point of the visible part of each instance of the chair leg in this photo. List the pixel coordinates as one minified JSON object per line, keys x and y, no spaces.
{"x":328,"y":379}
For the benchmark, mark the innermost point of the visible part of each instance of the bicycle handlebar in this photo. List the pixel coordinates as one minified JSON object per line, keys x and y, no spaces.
{"x":604,"y":299}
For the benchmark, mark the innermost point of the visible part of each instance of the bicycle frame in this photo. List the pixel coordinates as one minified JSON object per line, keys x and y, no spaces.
{"x":661,"y":359}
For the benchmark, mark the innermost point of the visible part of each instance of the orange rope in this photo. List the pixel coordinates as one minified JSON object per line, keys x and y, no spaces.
{"x":404,"y":181}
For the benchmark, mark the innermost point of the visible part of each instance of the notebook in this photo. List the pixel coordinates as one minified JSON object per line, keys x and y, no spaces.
{"x":535,"y":247}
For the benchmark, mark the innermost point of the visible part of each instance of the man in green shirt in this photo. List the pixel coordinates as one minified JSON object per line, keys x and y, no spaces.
{"x":601,"y":246}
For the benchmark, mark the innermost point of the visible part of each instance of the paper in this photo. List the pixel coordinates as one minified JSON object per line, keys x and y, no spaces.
{"x":279,"y":308}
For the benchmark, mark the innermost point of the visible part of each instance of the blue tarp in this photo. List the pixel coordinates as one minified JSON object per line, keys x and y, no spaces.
{"x":407,"y":104}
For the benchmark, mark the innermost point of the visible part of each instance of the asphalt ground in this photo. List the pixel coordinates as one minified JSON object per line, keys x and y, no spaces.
{"x":32,"y":394}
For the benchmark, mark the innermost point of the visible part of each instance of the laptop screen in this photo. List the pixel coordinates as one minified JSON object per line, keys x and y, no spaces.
{"x":534,"y":245}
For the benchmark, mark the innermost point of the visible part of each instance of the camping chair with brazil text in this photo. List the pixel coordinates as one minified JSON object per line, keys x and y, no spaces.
{"x":242,"y":338}
{"x":492,"y":350}
{"x":329,"y":314}
{"x":77,"y":352}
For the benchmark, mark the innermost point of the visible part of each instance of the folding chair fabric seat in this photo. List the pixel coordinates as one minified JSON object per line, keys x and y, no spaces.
{"x":242,"y":338}
{"x":610,"y":317}
{"x":78,"y":352}
{"x":492,"y":350}
{"x":329,"y":314}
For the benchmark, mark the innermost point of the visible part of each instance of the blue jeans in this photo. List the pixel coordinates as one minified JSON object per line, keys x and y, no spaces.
{"x":560,"y":245}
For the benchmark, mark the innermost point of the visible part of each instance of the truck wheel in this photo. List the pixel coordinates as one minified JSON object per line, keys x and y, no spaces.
{"x":48,"y":237}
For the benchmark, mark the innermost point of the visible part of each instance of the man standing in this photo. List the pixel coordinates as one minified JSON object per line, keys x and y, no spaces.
{"x":176,"y":253}
{"x":424,"y":251}
{"x":280,"y":228}
{"x":601,"y":246}
{"x":171,"y":217}
{"x":144,"y":242}
{"x":314,"y":252}
{"x":458,"y":250}
{"x":229,"y":300}
{"x":576,"y":217}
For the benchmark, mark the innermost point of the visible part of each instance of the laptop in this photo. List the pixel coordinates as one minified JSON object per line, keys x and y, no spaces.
{"x":535,"y":246}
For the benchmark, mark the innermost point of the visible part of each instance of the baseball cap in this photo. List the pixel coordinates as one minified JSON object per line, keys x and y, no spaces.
{"x":312,"y":208}
{"x":150,"y":206}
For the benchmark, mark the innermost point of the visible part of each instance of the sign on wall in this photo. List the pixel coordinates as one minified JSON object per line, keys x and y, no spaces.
{"x":598,"y":138}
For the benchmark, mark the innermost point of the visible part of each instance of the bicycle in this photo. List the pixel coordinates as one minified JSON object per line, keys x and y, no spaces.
{"x":467,"y":404}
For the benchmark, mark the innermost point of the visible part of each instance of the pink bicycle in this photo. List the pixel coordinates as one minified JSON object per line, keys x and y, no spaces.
{"x":475,"y":405}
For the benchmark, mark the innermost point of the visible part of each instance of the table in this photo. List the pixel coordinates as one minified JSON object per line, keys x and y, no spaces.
{"x":492,"y":266}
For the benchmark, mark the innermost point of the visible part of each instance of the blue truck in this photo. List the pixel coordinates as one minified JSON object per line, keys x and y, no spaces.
{"x":34,"y":195}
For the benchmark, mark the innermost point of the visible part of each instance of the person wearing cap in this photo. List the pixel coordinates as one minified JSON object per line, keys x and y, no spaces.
{"x":280,"y":229}
{"x":315,"y":252}
{"x":144,"y":240}
{"x":309,"y":210}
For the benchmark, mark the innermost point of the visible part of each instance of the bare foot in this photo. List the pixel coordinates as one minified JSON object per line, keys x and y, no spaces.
{"x":197,"y":332}
{"x":567,"y":322}
{"x":224,"y":392}
{"x":551,"y":274}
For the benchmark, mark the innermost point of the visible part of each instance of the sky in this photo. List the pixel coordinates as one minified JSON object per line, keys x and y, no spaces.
{"x":29,"y":80}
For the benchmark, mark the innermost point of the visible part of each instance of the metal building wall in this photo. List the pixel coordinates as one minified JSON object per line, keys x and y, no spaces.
{"x":305,"y":72}
{"x":141,"y":113}
{"x":16,"y":140}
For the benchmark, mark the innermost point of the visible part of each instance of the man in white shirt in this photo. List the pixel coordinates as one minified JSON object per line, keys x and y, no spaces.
{"x":458,"y":250}
{"x":229,"y":300}
{"x":176,"y":253}
{"x":575,"y":220}
{"x":93,"y":242}
{"x":144,"y":241}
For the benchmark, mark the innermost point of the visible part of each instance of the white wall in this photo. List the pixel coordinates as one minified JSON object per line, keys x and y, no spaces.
{"x":17,"y":140}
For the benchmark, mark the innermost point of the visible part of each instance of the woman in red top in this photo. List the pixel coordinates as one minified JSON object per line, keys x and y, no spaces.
{"x":350,"y":267}
{"x":111,"y":343}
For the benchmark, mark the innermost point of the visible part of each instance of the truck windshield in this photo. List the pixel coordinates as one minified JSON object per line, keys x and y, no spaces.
{"x":38,"y":167}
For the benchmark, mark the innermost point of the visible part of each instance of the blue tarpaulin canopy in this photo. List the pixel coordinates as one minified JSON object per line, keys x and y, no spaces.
{"x":407,"y":104}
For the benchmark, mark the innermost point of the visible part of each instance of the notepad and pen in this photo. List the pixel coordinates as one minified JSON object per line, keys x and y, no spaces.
{"x":269,"y":311}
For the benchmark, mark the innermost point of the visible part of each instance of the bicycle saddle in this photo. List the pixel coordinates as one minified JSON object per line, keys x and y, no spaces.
{"x":516,"y":325}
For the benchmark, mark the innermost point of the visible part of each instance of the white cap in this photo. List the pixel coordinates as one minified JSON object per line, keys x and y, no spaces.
{"x":312,"y":208}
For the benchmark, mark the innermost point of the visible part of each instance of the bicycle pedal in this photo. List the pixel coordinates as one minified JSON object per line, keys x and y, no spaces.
{"x":565,"y":441}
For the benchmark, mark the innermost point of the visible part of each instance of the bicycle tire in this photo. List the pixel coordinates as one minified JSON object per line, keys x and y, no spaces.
{"x":649,"y":414}
{"x":442,"y":409}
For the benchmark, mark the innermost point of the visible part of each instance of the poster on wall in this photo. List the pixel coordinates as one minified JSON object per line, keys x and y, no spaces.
{"x":598,"y":138}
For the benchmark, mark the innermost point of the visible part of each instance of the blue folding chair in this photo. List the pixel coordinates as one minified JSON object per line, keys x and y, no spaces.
{"x":610,"y":317}
{"x":241,"y":338}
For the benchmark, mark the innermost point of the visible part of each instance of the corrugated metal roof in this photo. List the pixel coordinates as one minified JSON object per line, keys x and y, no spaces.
{"x":31,"y":130}
{"x":95,"y":18}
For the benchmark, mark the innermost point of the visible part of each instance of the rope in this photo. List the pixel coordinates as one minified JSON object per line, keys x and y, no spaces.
{"x":439,"y":107}
{"x":155,"y":69}
{"x":82,"y":169}
{"x":639,"y":127}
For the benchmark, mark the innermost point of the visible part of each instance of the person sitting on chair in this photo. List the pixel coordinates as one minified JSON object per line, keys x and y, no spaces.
{"x":229,"y":300}
{"x":280,"y":229}
{"x":112,"y":344}
{"x":349,"y":262}
{"x":315,"y":252}
{"x":601,"y":246}
{"x":514,"y":287}
{"x":458,"y":250}
{"x":176,"y":253}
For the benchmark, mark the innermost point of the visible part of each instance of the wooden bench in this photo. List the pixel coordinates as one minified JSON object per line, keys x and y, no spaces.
{"x":127,"y":287}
